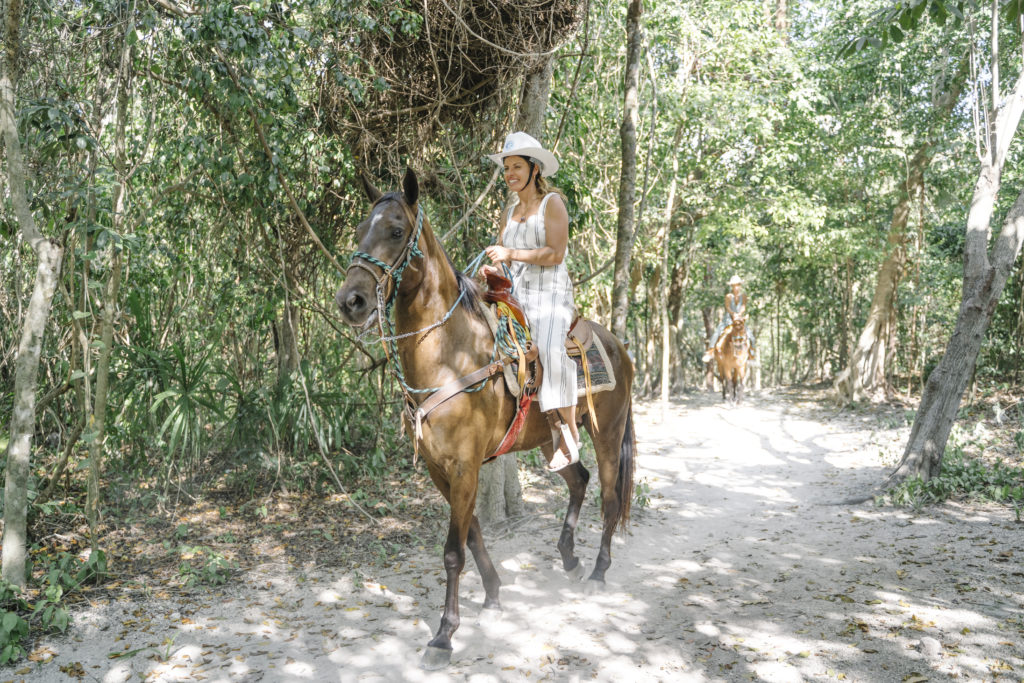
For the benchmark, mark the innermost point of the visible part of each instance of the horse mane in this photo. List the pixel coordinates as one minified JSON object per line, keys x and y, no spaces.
{"x":468,"y":287}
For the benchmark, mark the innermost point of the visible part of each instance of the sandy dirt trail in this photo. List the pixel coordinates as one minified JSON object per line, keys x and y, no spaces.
{"x":740,"y":568}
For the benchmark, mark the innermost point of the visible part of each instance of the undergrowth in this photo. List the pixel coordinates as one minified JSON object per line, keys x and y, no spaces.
{"x":41,"y":610}
{"x":964,"y":478}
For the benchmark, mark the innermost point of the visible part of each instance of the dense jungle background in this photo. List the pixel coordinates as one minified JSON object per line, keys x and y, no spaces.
{"x":187,"y":182}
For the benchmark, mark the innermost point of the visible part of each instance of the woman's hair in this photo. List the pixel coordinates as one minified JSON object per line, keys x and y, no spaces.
{"x":543,"y":186}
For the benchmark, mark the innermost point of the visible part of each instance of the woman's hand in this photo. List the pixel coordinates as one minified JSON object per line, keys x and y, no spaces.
{"x":498,"y":253}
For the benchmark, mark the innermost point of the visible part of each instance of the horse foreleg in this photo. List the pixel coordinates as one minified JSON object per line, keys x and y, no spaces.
{"x":461,"y":495}
{"x":576,"y":478}
{"x":488,"y":573}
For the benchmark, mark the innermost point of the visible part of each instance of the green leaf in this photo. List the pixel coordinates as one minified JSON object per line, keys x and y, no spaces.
{"x":79,"y":315}
{"x":161,"y":397}
{"x":896,"y":33}
{"x":9,"y":622}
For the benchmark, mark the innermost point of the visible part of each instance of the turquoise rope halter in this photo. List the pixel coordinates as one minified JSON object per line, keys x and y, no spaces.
{"x":386,"y":304}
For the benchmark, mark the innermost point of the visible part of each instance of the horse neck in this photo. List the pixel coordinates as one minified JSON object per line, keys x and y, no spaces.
{"x":446,"y":352}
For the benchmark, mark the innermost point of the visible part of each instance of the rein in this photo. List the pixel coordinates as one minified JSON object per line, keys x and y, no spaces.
{"x":390,"y":278}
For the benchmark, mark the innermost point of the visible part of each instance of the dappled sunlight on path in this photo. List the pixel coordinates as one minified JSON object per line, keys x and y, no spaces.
{"x":741,"y":567}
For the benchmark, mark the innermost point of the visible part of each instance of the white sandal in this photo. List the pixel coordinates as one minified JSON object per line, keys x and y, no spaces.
{"x":560,"y":460}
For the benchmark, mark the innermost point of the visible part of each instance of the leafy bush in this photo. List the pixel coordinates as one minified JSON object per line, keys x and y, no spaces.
{"x":214,"y":570}
{"x":63,"y":575}
{"x":964,"y":478}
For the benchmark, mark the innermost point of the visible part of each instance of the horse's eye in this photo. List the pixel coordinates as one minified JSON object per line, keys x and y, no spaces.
{"x":396,"y":233}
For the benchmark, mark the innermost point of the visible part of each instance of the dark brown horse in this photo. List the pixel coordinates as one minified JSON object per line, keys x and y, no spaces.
{"x":731,"y":355}
{"x":439,"y":335}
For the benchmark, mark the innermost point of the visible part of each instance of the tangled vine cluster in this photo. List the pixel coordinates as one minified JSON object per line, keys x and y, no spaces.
{"x":454,"y":64}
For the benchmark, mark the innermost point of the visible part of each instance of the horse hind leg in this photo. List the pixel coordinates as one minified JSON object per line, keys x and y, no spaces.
{"x":616,"y":450}
{"x":576,"y":478}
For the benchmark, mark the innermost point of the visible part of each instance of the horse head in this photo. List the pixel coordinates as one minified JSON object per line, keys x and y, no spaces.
{"x":739,"y":326}
{"x":387,"y":242}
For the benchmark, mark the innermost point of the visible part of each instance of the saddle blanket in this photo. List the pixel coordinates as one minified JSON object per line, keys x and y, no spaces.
{"x":602,"y":378}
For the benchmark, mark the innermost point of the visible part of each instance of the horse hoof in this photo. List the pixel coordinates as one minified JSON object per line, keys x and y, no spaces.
{"x":435,"y":658}
{"x":593,"y":587}
{"x":576,"y":574}
{"x":489,"y":615}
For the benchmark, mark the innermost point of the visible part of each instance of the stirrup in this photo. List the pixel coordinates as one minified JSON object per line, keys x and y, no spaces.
{"x":570,"y":458}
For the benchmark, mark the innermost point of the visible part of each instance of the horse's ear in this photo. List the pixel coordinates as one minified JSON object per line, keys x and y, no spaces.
{"x":371,"y":190}
{"x":411,"y":187}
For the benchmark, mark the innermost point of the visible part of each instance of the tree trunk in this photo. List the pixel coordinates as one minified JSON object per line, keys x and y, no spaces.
{"x":26,"y":370}
{"x":782,"y":19}
{"x":865,"y":375}
{"x":985,"y":275}
{"x":111,"y":293}
{"x":626,"y":231}
{"x":534,"y":99}
{"x":288,"y":342}
{"x":666,"y":329}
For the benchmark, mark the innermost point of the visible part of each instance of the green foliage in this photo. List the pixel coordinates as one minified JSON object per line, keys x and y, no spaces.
{"x":642,"y":494}
{"x":213,"y":569}
{"x":62,"y":576}
{"x":13,"y":627}
{"x":964,"y":478}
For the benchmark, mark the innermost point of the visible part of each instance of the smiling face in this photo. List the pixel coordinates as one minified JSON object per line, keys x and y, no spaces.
{"x":517,"y":173}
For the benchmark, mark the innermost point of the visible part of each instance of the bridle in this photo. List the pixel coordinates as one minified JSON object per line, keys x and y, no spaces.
{"x":388,"y":279}
{"x":390,"y":276}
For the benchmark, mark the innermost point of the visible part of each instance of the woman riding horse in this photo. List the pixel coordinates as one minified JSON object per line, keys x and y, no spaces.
{"x":532,"y":242}
{"x":401,"y":283}
{"x":735,"y":308}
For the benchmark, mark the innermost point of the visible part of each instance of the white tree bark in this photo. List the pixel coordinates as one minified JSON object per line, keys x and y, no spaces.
{"x":985,"y":275}
{"x":26,"y":368}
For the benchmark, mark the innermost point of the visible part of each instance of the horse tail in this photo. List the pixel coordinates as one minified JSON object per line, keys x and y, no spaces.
{"x":627,"y":468}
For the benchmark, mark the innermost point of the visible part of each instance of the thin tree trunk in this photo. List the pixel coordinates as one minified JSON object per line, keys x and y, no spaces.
{"x":111,"y":290}
{"x":985,"y":275}
{"x":666,"y":329}
{"x":626,"y":231}
{"x":26,"y":370}
{"x":865,"y":375}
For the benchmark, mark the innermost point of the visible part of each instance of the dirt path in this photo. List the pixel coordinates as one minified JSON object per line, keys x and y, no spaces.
{"x":739,"y":569}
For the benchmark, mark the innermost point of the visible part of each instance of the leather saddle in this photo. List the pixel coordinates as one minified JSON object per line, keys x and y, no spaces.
{"x":499,"y":290}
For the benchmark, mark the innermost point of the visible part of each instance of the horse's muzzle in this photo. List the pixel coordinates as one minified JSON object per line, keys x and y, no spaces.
{"x":354,"y":304}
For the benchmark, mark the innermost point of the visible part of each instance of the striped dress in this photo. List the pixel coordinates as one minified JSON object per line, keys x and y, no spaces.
{"x":545,"y":293}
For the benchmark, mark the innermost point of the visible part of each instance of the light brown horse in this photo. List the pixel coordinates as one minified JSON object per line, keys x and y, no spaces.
{"x":439,"y":335}
{"x":731,"y":354}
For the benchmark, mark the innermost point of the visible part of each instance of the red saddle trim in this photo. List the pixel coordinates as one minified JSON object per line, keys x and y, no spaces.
{"x":513,"y":430}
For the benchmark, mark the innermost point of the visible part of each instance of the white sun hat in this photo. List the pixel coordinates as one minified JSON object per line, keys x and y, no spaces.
{"x":522,"y":144}
{"x":735,"y":280}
